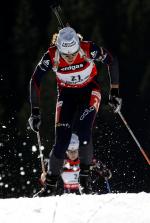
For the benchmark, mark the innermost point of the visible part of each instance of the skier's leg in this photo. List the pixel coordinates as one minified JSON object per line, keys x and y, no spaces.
{"x":86,"y":151}
{"x":87,"y":117}
{"x":86,"y":120}
{"x":63,"y":129}
{"x":86,"y":155}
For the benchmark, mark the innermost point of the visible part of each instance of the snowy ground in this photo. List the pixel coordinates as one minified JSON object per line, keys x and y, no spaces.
{"x":109,"y":208}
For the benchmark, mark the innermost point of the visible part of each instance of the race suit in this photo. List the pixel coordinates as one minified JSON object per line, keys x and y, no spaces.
{"x":78,"y":98}
{"x":70,"y":175}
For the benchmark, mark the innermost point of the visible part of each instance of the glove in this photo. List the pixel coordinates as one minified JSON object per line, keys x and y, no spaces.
{"x":35,"y":120}
{"x":114,"y":100}
{"x":106,"y":173}
{"x":102,"y":170}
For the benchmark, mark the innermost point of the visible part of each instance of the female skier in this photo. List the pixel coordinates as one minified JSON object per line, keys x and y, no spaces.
{"x":73,"y":62}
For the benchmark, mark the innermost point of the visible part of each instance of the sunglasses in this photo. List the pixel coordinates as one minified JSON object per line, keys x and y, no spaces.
{"x":72,"y":151}
{"x":69,"y":55}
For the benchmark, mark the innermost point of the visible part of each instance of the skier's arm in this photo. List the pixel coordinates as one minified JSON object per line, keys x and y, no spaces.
{"x":101,"y":54}
{"x":41,"y":69}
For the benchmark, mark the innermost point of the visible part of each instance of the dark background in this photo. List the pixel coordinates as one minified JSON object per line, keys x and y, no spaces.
{"x":121,"y":26}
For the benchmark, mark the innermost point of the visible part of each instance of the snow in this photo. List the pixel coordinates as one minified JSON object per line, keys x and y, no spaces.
{"x":107,"y":208}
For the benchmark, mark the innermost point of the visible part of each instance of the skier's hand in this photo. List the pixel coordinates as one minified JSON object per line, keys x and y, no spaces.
{"x":114,"y":100}
{"x":106,"y":173}
{"x":35,"y":119}
{"x":101,"y":169}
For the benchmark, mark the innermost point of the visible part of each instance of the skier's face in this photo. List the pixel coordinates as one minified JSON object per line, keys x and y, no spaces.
{"x":69,"y":58}
{"x":72,"y":155}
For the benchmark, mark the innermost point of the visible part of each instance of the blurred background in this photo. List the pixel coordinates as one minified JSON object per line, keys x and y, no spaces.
{"x":122,"y":27}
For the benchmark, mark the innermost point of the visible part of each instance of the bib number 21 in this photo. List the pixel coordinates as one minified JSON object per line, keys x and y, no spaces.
{"x":76,"y":78}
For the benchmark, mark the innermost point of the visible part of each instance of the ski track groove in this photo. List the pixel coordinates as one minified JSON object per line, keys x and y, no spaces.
{"x":54,"y":213}
{"x":96,"y":211}
{"x":93,"y":214}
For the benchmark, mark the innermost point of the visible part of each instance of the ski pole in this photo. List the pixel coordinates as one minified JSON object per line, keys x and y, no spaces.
{"x":41,"y":153}
{"x":133,"y":136}
{"x":107,"y":185}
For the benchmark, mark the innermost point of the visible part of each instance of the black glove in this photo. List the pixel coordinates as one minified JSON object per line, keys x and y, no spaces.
{"x":114,"y":100}
{"x":106,"y":173}
{"x":35,"y":119}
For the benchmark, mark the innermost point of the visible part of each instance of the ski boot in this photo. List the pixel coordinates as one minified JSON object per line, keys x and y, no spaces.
{"x":85,"y":179}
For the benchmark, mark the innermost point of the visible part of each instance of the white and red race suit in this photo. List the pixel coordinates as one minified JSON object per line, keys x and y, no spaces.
{"x":78,"y":74}
{"x":70,"y":174}
{"x":78,"y":97}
